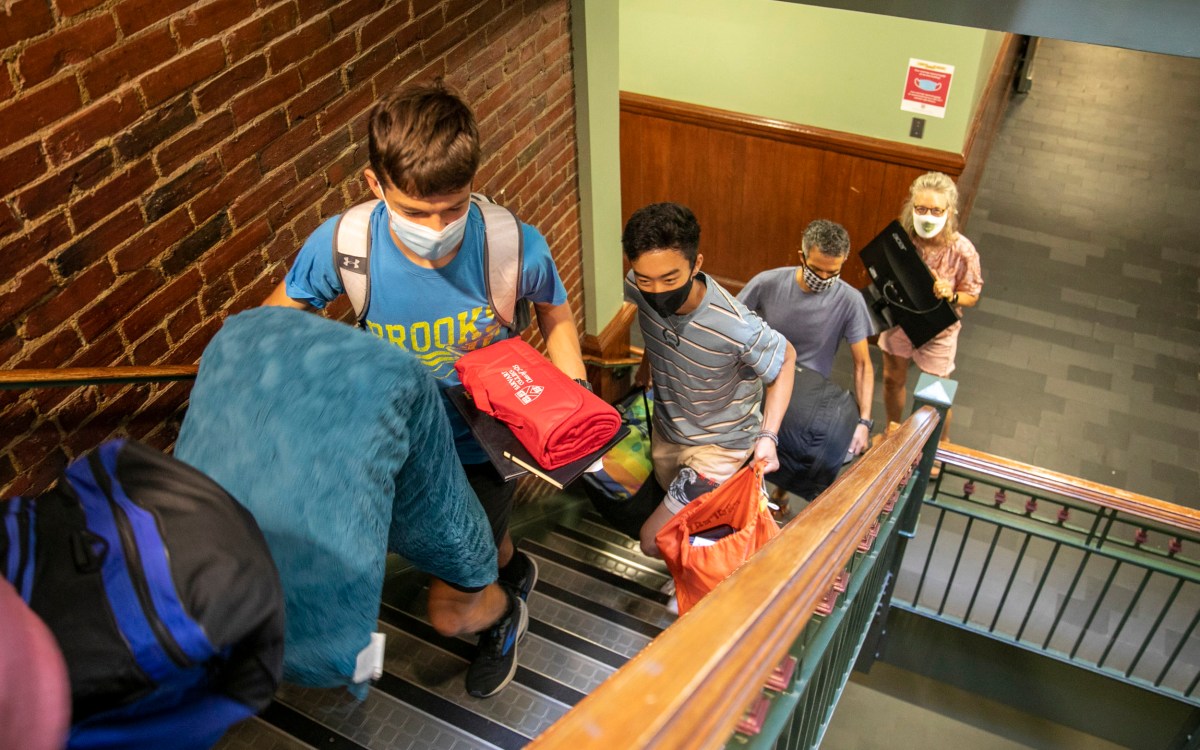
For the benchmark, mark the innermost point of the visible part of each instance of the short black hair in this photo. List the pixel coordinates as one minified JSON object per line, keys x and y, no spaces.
{"x":662,"y":226}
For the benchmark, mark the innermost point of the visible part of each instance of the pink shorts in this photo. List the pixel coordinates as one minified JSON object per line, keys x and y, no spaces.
{"x":936,"y":357}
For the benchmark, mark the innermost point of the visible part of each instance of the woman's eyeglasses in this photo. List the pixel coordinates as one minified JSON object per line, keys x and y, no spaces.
{"x":928,"y":211}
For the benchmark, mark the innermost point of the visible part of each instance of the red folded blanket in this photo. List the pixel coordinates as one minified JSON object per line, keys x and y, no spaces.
{"x":556,"y":419}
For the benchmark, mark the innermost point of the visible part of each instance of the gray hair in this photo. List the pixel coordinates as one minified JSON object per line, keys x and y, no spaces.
{"x":827,"y":236}
{"x":938,"y":183}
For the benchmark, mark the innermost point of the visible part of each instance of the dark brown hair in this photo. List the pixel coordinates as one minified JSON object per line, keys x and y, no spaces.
{"x":422,"y":139}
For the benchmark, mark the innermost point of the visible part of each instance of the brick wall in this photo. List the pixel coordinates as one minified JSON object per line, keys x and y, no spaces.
{"x":162,"y":160}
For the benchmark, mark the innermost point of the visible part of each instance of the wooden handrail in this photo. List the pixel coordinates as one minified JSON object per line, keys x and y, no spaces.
{"x":76,"y":376}
{"x":1073,"y":488}
{"x":612,"y":361}
{"x":688,"y":688}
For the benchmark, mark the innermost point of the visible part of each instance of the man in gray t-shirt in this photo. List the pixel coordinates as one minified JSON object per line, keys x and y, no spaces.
{"x":815,"y":310}
{"x":722,"y":378}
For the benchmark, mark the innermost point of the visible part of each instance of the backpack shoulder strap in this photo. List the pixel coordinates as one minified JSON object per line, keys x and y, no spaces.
{"x":352,"y":256}
{"x":503,"y":258}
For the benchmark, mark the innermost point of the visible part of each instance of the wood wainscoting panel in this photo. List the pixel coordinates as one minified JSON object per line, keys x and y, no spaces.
{"x":755,"y":183}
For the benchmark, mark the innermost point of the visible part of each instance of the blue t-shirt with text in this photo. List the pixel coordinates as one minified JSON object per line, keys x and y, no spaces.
{"x":436,"y":314}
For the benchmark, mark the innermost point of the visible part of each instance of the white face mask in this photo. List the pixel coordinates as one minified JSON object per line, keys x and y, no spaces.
{"x":427,"y":243}
{"x":929,"y":226}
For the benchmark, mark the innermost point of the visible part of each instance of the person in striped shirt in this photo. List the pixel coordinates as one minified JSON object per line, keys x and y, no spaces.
{"x":709,"y":359}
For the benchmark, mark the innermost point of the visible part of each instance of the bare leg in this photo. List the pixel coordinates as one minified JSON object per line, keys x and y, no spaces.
{"x":453,"y":612}
{"x":650,"y":528}
{"x":946,"y":428}
{"x":504,"y":550}
{"x":895,"y":385}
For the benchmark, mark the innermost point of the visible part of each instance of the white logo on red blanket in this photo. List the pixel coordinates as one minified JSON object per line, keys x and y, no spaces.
{"x":527,"y":395}
{"x":522,"y":384}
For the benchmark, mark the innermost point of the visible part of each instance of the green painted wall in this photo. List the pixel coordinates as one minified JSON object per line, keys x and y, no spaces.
{"x":832,"y":69}
{"x":597,"y":126}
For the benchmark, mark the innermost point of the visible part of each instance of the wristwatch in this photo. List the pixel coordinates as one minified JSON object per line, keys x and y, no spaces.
{"x":584,"y":383}
{"x":868,"y":423}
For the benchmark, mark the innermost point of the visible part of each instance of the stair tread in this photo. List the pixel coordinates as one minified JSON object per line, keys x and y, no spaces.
{"x":607,"y":560}
{"x":617,"y":592}
{"x":597,"y":604}
{"x":379,"y":721}
{"x":540,"y":660}
{"x":258,"y":733}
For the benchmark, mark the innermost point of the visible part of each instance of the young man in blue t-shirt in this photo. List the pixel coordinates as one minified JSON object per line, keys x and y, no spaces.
{"x":429,"y":296}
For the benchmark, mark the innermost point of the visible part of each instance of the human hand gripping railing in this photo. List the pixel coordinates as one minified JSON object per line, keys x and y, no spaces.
{"x":689,"y":687}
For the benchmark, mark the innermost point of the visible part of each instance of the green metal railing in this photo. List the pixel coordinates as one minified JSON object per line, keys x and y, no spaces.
{"x":831,"y":643}
{"x":1104,"y":588}
{"x":827,"y":651}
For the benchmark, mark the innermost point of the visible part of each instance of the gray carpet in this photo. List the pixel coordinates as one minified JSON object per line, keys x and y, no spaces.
{"x":1084,"y":353}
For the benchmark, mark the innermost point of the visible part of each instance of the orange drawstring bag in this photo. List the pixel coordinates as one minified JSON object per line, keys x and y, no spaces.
{"x":715,"y":533}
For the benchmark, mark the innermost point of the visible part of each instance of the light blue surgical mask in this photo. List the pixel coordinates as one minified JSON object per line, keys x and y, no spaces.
{"x":429,"y":244}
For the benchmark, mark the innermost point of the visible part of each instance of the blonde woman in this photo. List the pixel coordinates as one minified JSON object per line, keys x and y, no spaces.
{"x":931,"y":217}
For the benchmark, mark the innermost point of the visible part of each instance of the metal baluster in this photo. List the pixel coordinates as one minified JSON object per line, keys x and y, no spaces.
{"x":1038,"y":591}
{"x":987,"y":561}
{"x":1125,"y":617}
{"x":1154,"y":628}
{"x":1103,"y":593}
{"x":1178,"y":647}
{"x":962,"y":545}
{"x":1008,"y":586}
{"x":1095,"y":524}
{"x":1188,"y":693}
{"x":937,"y":530}
{"x":1067,"y":599}
{"x":1107,"y":527}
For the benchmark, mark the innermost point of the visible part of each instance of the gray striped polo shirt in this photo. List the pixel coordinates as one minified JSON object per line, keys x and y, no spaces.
{"x":709,"y":367}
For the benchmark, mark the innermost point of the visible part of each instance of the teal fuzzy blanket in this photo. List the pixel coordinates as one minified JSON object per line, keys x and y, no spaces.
{"x":339,"y":445}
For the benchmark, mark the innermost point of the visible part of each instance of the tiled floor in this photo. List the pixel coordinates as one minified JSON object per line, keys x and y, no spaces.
{"x":947,"y":718}
{"x":1084,"y":354}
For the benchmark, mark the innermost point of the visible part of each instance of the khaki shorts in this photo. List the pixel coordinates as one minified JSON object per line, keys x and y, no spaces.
{"x":712,"y":462}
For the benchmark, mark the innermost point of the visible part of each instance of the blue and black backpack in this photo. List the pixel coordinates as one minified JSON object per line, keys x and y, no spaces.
{"x":161,"y":593}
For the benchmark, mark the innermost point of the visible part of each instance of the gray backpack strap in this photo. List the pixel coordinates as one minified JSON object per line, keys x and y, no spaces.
{"x":503,"y":256}
{"x":352,"y":256}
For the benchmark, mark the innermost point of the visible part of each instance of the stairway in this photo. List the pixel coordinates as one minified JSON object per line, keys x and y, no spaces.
{"x":596,"y":604}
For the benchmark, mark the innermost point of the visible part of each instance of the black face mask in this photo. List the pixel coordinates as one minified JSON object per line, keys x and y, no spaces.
{"x":666,"y":303}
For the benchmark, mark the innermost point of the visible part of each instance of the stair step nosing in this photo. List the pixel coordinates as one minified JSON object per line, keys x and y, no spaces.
{"x":308,"y":730}
{"x":608,"y":550}
{"x":603,"y":611}
{"x":535,"y":681}
{"x":627,"y":585}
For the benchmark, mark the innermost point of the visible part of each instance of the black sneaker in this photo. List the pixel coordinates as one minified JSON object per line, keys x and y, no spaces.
{"x":520,"y":574}
{"x":496,"y":661}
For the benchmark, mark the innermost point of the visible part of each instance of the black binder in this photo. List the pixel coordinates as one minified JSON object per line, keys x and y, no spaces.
{"x":506,"y":453}
{"x":901,"y":288}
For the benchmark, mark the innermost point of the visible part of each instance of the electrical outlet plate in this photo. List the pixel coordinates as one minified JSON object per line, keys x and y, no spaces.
{"x":918,"y":127}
